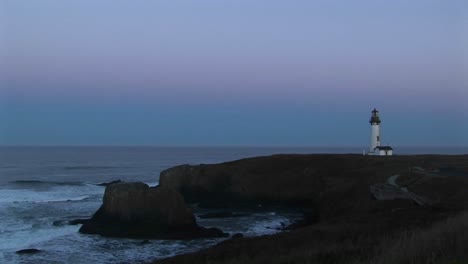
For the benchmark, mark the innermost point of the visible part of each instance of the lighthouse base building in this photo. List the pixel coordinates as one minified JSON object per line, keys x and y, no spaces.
{"x":382,"y":151}
{"x":375,"y":147}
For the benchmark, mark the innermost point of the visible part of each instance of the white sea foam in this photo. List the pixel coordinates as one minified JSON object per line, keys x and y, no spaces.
{"x":29,"y":237}
{"x":267,"y":224}
{"x":152,"y":184}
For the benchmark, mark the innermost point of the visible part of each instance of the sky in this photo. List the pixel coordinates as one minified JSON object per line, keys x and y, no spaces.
{"x":234,"y":72}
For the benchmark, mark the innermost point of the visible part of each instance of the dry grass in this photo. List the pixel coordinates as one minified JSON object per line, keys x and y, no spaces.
{"x":445,"y":242}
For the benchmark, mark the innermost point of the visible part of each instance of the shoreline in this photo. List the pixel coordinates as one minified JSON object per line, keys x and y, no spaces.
{"x":347,"y":210}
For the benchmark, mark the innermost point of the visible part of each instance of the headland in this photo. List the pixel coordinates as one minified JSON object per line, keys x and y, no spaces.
{"x":345,"y":221}
{"x":357,"y":208}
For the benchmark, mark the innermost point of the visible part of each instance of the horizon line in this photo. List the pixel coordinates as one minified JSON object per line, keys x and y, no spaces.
{"x":224,"y":145}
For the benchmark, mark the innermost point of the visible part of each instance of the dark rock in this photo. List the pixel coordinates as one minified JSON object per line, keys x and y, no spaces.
{"x":108,"y":183}
{"x":273,"y":180}
{"x":28,"y":251}
{"x":136,"y":210}
{"x":237,"y":236}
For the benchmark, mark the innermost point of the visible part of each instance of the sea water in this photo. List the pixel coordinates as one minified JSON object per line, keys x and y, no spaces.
{"x":42,"y":188}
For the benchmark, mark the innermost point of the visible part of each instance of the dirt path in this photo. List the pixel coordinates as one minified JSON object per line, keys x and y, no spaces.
{"x":416,"y":198}
{"x":392,"y":180}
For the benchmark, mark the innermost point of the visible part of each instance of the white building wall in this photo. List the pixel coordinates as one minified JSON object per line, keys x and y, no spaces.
{"x":383,"y":152}
{"x":375,"y":137}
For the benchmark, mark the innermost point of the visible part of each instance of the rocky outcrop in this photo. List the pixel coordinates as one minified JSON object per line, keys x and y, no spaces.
{"x":28,"y":251}
{"x":104,"y":184}
{"x":278,"y":179}
{"x":136,"y":210}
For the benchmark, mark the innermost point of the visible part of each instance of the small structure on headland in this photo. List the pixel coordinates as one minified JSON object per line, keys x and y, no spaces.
{"x":375,"y":147}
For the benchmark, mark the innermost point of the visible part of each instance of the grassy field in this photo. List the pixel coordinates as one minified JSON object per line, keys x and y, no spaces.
{"x":444,"y":242}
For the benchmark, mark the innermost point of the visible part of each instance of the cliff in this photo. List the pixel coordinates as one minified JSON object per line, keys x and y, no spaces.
{"x":332,"y":184}
{"x":280,"y":179}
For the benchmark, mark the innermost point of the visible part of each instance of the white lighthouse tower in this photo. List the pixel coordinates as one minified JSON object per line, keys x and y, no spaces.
{"x":375,"y":130}
{"x":375,"y":147}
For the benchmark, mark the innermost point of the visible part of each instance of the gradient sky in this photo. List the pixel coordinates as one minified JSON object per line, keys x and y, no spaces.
{"x":242,"y":72}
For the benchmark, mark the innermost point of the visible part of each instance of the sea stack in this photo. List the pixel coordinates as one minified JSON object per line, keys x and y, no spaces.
{"x":132,"y":209}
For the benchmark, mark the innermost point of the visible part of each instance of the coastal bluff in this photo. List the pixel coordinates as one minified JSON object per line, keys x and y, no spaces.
{"x":278,"y":178}
{"x":354,"y":221}
{"x":133,"y":209}
{"x":284,"y":180}
{"x":331,"y":183}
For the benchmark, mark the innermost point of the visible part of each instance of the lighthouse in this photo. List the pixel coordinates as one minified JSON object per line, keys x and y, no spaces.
{"x":375,"y":130}
{"x":375,"y":139}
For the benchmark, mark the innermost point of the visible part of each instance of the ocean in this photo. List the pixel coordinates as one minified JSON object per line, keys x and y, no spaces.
{"x":42,"y":188}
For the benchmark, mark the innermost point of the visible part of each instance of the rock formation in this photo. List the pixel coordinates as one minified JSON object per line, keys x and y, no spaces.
{"x":278,"y":179}
{"x":136,"y":210}
{"x":28,"y":251}
{"x":104,"y":184}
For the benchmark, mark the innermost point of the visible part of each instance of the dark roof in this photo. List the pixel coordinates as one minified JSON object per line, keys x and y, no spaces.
{"x":384,"y":148}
